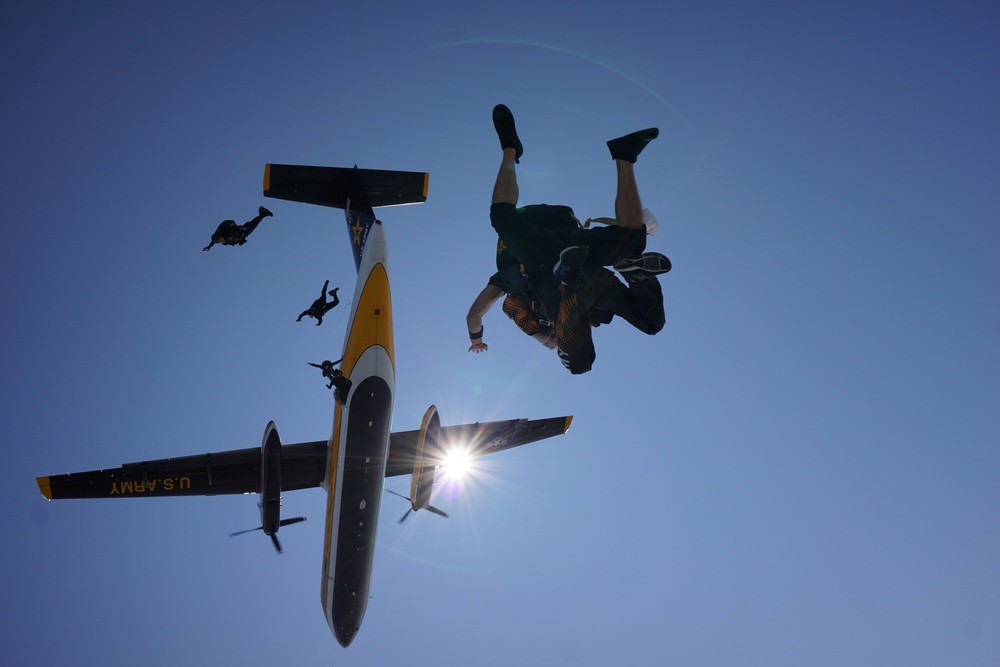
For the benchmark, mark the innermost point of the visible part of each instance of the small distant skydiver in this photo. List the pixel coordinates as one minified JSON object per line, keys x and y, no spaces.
{"x":320,"y":307}
{"x":336,"y":377}
{"x":229,"y":233}
{"x":557,"y":273}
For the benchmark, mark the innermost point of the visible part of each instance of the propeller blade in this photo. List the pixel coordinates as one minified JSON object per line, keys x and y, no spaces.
{"x":437,"y":511}
{"x":399,"y":494}
{"x":430,"y":507}
{"x":274,"y":538}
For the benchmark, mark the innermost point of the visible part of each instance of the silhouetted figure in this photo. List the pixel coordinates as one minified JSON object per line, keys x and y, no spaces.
{"x":551,"y":267}
{"x":336,"y":377}
{"x":229,"y":233}
{"x":320,"y":306}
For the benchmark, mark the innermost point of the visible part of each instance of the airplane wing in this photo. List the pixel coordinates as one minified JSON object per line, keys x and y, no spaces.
{"x":478,"y":439}
{"x":303,"y":466}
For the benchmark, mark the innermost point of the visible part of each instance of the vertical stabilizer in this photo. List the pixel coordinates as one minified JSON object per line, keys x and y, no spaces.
{"x":359,"y":214}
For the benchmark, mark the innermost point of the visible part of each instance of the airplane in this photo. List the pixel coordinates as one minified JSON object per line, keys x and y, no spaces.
{"x":361,"y":451}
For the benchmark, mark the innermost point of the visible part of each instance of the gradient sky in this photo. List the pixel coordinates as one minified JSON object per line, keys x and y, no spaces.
{"x":803,"y":468}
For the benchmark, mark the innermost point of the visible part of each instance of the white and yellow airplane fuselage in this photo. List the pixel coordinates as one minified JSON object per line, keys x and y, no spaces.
{"x":359,"y":445}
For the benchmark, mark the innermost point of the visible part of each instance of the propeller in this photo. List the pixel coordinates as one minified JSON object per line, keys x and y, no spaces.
{"x":436,"y":511}
{"x":274,"y":536}
{"x":406,"y":498}
{"x":429,"y":507}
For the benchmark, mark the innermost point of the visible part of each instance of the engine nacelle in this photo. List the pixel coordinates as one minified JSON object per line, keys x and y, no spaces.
{"x":270,"y":480}
{"x":426,"y":460}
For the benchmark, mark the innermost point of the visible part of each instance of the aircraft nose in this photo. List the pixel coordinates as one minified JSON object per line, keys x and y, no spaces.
{"x":345,"y":636}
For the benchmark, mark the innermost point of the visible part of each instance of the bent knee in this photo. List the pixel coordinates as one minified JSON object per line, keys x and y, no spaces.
{"x":653,"y":326}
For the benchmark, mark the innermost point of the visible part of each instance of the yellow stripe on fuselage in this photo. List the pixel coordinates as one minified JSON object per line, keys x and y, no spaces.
{"x":372,"y":323}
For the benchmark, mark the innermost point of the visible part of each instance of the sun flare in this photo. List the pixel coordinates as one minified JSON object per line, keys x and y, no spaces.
{"x":457,"y":464}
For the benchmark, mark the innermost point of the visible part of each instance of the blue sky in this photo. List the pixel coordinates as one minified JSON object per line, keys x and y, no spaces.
{"x":803,"y":468}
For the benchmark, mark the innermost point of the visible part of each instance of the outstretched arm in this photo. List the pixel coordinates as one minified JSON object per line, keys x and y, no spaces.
{"x":474,"y":320}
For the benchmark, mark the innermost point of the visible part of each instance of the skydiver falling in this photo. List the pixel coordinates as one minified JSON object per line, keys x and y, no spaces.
{"x":320,"y":306}
{"x":561,"y":288}
{"x":336,"y":377}
{"x":229,"y":233}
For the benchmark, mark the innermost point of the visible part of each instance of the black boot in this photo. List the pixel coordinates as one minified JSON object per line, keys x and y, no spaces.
{"x":503,"y":121}
{"x":628,"y":147}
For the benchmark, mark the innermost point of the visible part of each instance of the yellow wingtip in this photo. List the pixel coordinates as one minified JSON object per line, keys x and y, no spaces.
{"x":44,"y":486}
{"x":267,"y":177}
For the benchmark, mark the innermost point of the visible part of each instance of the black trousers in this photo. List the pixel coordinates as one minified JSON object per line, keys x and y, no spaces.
{"x":536,"y":235}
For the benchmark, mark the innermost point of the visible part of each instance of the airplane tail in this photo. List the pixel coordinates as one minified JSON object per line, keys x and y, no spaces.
{"x":356,"y":191}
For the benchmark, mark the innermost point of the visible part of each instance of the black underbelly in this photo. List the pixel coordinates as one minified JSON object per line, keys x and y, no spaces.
{"x":365,"y":454}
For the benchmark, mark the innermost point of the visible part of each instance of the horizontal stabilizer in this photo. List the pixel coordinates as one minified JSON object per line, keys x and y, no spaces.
{"x":331,"y":186}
